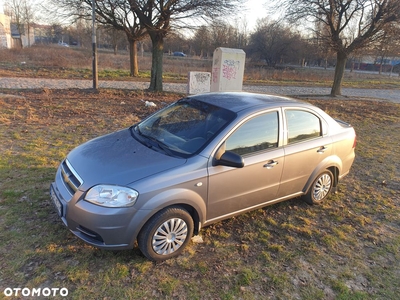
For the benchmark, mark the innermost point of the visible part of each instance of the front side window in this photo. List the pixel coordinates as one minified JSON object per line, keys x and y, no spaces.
{"x":302,"y":125}
{"x":258,"y":134}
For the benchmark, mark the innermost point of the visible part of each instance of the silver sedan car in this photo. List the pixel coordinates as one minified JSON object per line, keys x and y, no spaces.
{"x":200,"y":160}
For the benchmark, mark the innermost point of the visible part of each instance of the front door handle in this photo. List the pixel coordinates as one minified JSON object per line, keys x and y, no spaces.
{"x":270,"y":164}
{"x":321,"y":149}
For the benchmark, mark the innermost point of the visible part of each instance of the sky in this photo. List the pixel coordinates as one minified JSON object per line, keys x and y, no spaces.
{"x":253,"y":11}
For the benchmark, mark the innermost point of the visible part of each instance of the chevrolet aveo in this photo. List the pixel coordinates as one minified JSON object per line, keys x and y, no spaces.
{"x":197,"y":161}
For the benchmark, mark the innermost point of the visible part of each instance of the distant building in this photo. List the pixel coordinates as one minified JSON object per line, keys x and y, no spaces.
{"x":5,"y":32}
{"x":13,"y":37}
{"x":374,"y":63}
{"x":25,"y":36}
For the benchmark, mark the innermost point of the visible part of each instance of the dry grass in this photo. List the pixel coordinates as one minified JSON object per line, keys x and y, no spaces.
{"x":347,"y":248}
{"x":63,"y":62}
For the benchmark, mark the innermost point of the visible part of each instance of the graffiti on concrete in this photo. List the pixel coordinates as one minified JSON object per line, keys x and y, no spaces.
{"x":202,"y":77}
{"x":230,"y":68}
{"x":199,"y":82}
{"x":215,"y":73}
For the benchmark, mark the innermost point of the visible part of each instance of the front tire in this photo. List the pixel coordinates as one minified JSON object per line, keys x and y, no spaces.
{"x":320,"y":188}
{"x":166,"y":234}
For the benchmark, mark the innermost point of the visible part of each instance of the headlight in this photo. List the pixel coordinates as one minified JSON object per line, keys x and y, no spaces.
{"x":111,"y":196}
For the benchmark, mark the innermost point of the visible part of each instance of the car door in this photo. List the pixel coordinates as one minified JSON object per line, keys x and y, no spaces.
{"x":307,"y":145}
{"x":231,"y":189}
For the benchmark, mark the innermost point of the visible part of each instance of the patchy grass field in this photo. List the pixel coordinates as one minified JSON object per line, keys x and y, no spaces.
{"x":346,"y":248}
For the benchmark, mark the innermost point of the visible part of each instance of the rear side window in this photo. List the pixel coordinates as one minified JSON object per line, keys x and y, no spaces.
{"x":258,"y":134}
{"x":302,"y":125}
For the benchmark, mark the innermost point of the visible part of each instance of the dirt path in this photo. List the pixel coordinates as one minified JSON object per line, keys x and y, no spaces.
{"x":392,"y":95}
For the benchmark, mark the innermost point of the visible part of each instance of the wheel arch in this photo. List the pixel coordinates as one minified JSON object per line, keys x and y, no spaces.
{"x":189,"y":208}
{"x":192,"y":212}
{"x":335,"y":172}
{"x":332,"y":164}
{"x":192,"y":202}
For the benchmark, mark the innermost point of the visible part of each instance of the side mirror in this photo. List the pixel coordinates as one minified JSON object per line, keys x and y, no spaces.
{"x":230,"y":159}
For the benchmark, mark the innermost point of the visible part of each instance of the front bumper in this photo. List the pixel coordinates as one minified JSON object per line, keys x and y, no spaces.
{"x":102,"y":227}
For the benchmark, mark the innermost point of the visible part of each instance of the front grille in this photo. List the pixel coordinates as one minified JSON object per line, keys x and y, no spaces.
{"x":71,"y":179}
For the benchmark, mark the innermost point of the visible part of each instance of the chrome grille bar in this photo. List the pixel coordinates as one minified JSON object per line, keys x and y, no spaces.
{"x":70,"y":176}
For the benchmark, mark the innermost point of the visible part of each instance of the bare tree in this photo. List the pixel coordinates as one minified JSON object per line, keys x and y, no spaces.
{"x":119,"y":15}
{"x":219,"y":34}
{"x":388,"y":47}
{"x":350,"y":24}
{"x":274,"y":43}
{"x":322,"y":44}
{"x":224,"y":34}
{"x":158,"y":17}
{"x":82,"y":30}
{"x":115,"y":13}
{"x":201,"y":42}
{"x":176,"y":42}
{"x":114,"y":37}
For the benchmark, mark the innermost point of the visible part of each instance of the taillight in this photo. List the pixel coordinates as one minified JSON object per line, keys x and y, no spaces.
{"x":355,"y":141}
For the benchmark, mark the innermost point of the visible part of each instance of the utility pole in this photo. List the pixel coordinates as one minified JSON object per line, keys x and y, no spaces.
{"x":94,"y":47}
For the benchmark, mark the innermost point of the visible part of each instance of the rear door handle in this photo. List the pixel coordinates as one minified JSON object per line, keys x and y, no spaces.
{"x":321,"y":149}
{"x":270,"y":164}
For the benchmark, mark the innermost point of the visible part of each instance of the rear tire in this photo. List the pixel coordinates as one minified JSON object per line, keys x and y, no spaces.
{"x":320,"y":188}
{"x":166,"y":234}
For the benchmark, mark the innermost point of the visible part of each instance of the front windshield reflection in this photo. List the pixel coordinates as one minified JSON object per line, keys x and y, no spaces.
{"x":186,"y":126}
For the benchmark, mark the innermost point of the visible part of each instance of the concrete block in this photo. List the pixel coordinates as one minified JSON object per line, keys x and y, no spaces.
{"x":199,"y":82}
{"x":228,"y":70}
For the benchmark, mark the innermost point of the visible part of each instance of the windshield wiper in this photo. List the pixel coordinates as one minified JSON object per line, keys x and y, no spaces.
{"x":160,"y":145}
{"x":137,"y":134}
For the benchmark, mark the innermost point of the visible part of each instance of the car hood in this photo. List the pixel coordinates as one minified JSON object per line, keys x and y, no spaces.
{"x":118,"y":158}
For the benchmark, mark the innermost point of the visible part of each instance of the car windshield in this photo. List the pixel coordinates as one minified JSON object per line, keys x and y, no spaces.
{"x":185,"y":127}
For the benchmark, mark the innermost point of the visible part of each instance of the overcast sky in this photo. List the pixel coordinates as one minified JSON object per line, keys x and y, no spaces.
{"x":255,"y":10}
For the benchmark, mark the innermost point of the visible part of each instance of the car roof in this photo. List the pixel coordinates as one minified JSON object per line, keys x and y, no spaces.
{"x":237,"y":101}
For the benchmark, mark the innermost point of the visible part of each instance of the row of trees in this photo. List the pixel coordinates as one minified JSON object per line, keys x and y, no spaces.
{"x":340,"y":27}
{"x":139,"y":18}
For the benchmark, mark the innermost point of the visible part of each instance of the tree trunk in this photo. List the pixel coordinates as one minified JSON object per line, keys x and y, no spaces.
{"x":156,"y":83}
{"x":29,"y":36}
{"x":339,"y":72}
{"x":133,"y":58}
